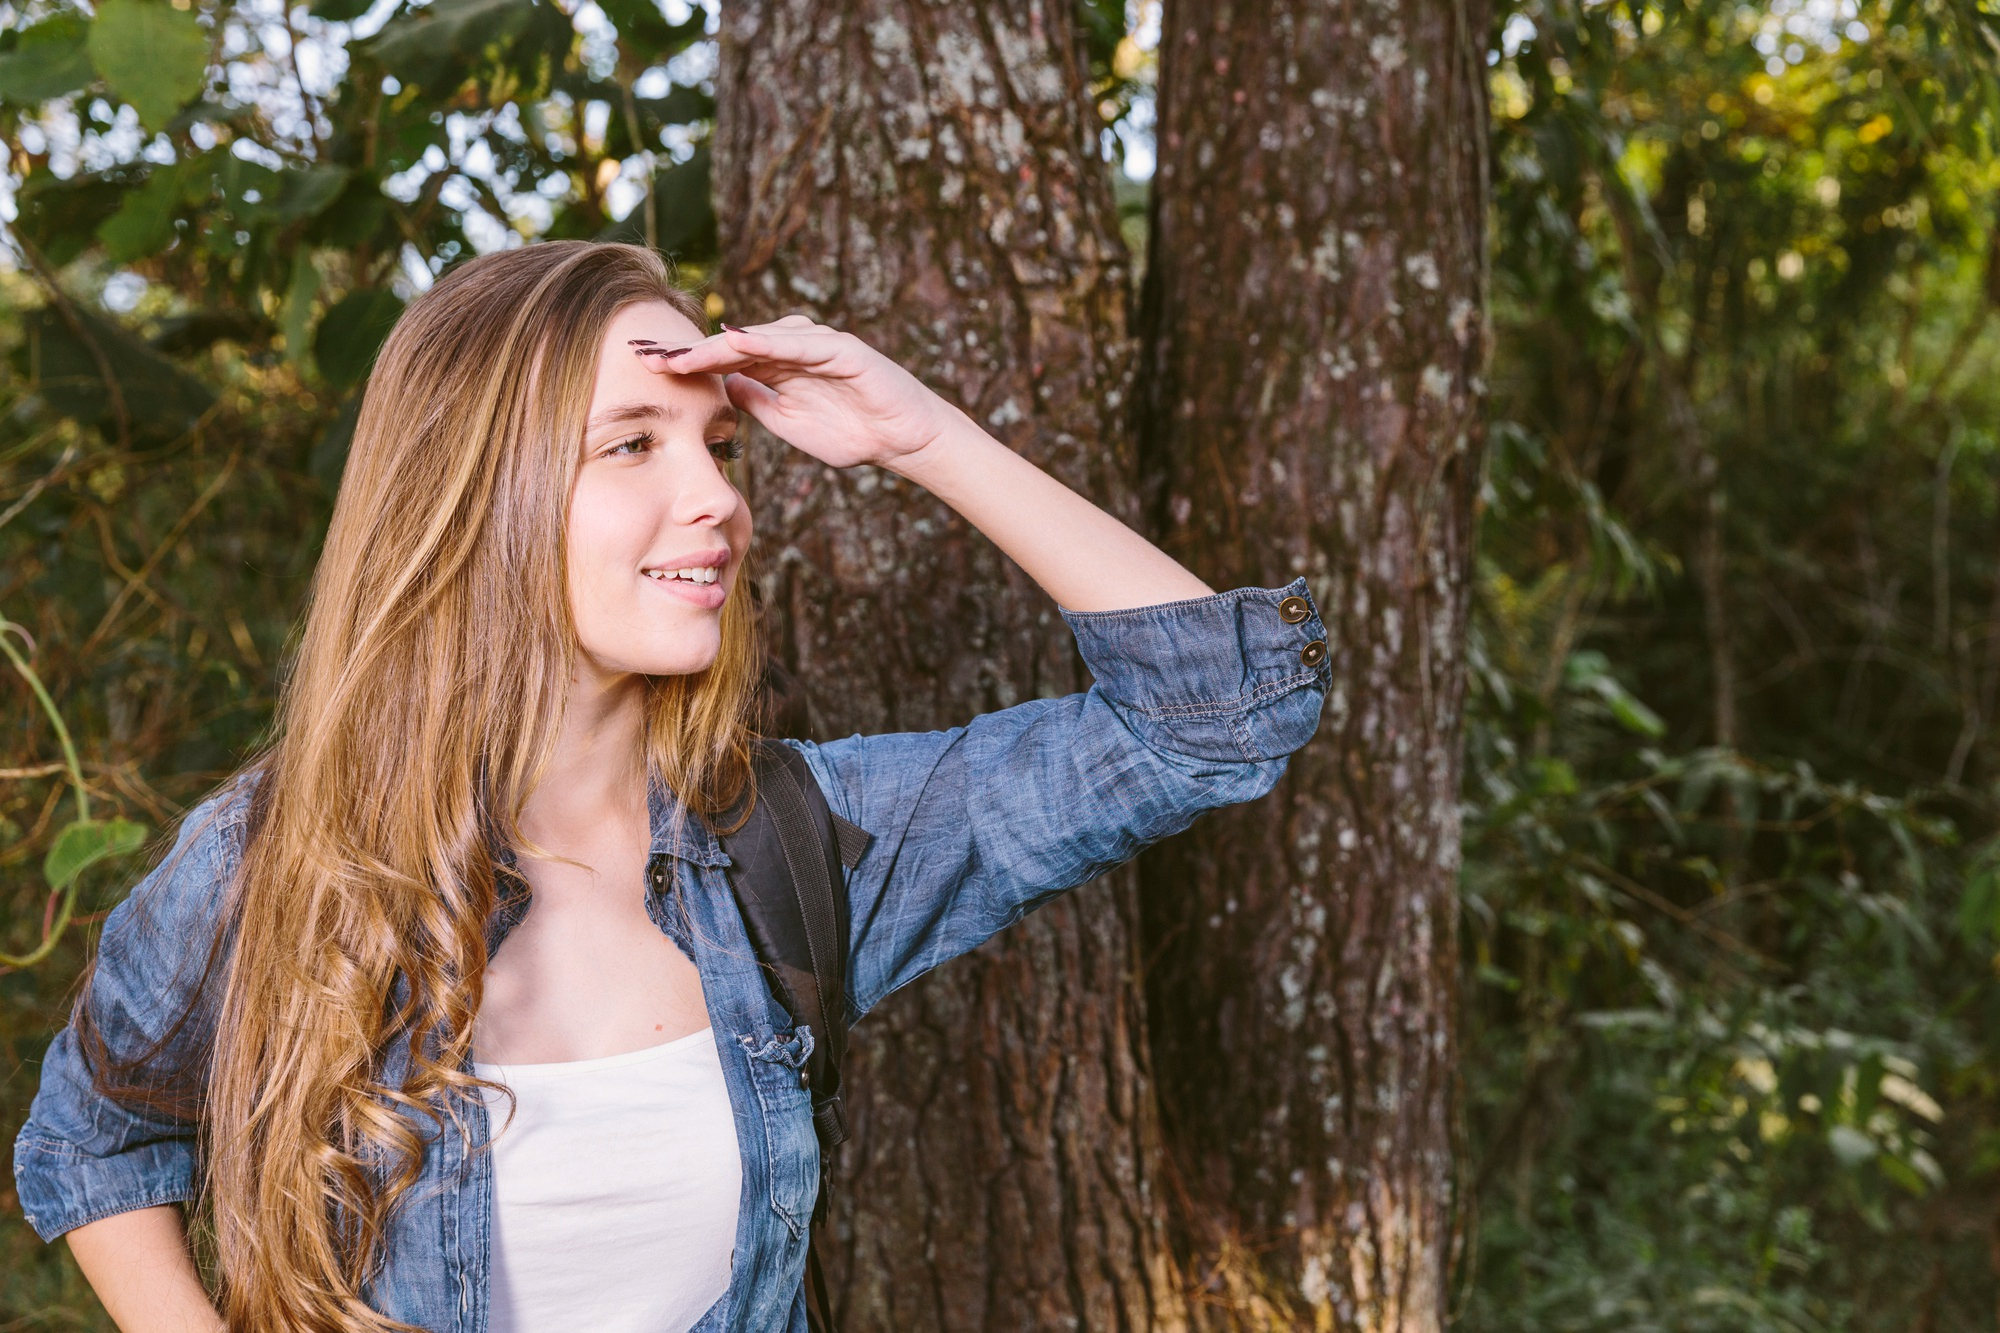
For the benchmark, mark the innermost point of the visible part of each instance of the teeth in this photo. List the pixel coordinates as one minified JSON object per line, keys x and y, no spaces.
{"x":692,"y":575}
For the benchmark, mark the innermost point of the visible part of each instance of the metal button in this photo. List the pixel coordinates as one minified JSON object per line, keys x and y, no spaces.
{"x":1294,"y":609}
{"x":1313,"y":653}
{"x":805,"y":1079}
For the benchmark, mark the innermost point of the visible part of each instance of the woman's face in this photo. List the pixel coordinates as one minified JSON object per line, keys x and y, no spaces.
{"x":652,"y":507}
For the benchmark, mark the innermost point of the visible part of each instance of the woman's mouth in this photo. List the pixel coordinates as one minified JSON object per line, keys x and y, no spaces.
{"x":699,"y":585}
{"x":692,"y":574}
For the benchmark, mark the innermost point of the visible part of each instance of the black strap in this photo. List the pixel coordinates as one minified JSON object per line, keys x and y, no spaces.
{"x":805,"y":837}
{"x":786,"y":860}
{"x":819,"y":1305}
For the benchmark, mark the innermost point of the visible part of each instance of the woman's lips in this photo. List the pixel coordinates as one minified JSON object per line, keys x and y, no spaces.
{"x":708,"y":596}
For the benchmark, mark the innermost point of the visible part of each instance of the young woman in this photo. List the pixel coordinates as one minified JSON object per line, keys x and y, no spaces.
{"x":527,"y":676}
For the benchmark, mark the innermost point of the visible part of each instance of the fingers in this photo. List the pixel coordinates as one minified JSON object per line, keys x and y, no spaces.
{"x":804,"y":346}
{"x":747,"y":395}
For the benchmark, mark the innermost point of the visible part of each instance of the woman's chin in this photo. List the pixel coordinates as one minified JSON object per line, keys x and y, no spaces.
{"x":683,"y":658}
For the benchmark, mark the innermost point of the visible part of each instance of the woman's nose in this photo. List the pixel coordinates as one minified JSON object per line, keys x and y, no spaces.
{"x":705,"y":494}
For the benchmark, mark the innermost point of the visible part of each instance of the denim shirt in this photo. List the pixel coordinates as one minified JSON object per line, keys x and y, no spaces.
{"x":1196,"y":705}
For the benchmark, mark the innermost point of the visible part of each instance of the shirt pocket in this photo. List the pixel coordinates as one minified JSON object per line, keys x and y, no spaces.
{"x":777,"y":1061}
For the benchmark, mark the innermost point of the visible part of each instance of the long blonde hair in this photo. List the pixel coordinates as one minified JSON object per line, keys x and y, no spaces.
{"x":426,"y":694}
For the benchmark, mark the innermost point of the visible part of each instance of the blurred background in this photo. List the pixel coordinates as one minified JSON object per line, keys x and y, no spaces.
{"x":1729,"y":917}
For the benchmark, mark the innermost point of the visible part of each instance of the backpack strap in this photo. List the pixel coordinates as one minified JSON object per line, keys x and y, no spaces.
{"x":785,"y":864}
{"x":786,"y":874}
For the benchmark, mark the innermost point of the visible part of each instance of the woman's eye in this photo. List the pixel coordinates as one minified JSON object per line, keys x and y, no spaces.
{"x":636,"y":444}
{"x":728,"y":450}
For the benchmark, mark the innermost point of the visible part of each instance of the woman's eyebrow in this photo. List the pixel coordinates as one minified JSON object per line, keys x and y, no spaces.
{"x":622,"y":413}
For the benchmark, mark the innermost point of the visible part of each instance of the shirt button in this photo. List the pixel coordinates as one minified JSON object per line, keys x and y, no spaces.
{"x":1313,"y":653}
{"x":805,"y":1079}
{"x":1294,"y":609}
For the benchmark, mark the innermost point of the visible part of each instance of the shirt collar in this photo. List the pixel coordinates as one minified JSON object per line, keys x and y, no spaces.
{"x":678,"y":831}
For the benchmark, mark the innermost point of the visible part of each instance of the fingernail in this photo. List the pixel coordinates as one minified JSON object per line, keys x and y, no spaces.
{"x":732,"y":328}
{"x":640,"y":342}
{"x":676,"y":352}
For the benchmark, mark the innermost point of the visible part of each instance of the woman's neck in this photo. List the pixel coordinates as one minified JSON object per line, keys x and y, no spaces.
{"x":596,"y":773}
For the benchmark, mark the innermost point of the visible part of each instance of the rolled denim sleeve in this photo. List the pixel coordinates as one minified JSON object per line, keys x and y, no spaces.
{"x":1195,"y":705}
{"x":82,"y":1156}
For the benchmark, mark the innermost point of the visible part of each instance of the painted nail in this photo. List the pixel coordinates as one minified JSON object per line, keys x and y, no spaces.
{"x":676,"y":352}
{"x":732,"y":328}
{"x":640,"y":342}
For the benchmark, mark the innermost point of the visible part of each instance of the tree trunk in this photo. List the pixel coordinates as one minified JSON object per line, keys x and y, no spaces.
{"x":928,"y":177}
{"x":1314,"y":338}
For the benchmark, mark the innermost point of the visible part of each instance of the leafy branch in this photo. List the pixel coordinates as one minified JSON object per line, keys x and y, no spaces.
{"x":84,"y":841}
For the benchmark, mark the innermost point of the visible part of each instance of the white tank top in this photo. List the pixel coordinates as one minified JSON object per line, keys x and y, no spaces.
{"x":614,"y":1191}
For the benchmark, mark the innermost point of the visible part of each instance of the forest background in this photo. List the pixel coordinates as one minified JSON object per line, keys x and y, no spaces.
{"x":1723,"y":991}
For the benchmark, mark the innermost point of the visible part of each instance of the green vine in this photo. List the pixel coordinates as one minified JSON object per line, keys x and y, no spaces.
{"x":83,"y":841}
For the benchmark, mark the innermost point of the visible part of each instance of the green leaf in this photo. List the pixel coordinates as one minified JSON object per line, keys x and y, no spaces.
{"x":62,"y":215}
{"x":197,"y":330}
{"x":86,"y":842}
{"x":340,"y":11}
{"x":1695,"y":788}
{"x":249,"y":190}
{"x":1588,"y":669}
{"x":434,"y":47}
{"x":1979,"y":908}
{"x":144,"y":223}
{"x":1631,"y":714}
{"x":51,"y":60}
{"x":1584,"y":665}
{"x":355,"y":216}
{"x":152,"y":55}
{"x":1552,"y":777}
{"x":681,"y":106}
{"x":162,"y":399}
{"x":644,"y":32}
{"x":686,"y":216}
{"x":305,"y":194}
{"x":329,"y":452}
{"x":295,"y":311}
{"x":351,"y":335}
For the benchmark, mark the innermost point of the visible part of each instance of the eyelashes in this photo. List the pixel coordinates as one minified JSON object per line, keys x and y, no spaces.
{"x":727,"y":451}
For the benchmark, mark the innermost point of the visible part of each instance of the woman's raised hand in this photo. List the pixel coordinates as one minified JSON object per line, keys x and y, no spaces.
{"x":843,"y":402}
{"x":819,"y":390}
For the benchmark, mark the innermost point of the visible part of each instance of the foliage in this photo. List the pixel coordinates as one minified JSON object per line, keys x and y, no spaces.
{"x":1730,"y":1009}
{"x":82,"y":842}
{"x":206,"y":150}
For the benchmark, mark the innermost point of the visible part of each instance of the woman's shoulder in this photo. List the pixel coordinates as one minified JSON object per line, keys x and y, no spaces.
{"x":186,"y":885}
{"x":215,"y":828}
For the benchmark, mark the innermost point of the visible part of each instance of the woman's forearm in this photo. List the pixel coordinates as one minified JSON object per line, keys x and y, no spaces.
{"x":1081,"y":556}
{"x":833,"y":396}
{"x":139,"y":1265}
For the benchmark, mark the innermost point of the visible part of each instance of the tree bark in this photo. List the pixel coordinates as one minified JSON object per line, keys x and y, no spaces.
{"x":1313,"y":324}
{"x":927,"y":176}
